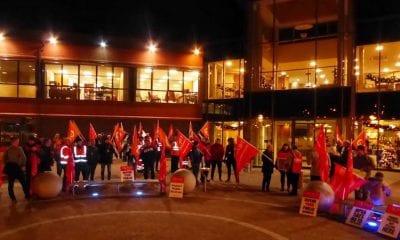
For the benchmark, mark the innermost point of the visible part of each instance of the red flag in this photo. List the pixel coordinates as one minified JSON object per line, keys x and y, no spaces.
{"x":339,"y":137}
{"x":185,"y":145}
{"x":157,"y":131}
{"x":92,"y":133}
{"x":162,"y":176}
{"x":360,"y":140}
{"x":73,"y":131}
{"x":135,"y":144}
{"x":170,"y":132}
{"x":204,"y":130}
{"x":140,"y":130}
{"x":320,"y":148}
{"x":191,"y":132}
{"x":244,"y":152}
{"x":202,"y":147}
{"x":119,"y":134}
{"x":164,"y":139}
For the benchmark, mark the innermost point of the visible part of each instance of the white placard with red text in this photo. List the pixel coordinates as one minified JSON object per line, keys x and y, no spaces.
{"x":390,"y":225}
{"x":359,"y":214}
{"x":309,"y":203}
{"x":176,"y":187}
{"x":127,"y":173}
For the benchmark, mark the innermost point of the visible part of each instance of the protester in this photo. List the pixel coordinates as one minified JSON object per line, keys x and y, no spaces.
{"x":92,"y":158}
{"x":31,"y":149}
{"x":206,"y":150}
{"x":196,"y":157}
{"x":295,"y":165}
{"x":67,"y":164}
{"x":47,"y":155}
{"x":174,"y":155}
{"x":148,"y":155}
{"x":375,"y":190}
{"x":334,"y":156}
{"x":230,"y":159}
{"x":107,"y":152}
{"x":282,"y":164}
{"x":80,"y":160}
{"x":363,"y":162}
{"x":217,"y":156}
{"x":15,"y":161}
{"x":159,"y":148}
{"x":57,"y":143}
{"x":267,"y":167}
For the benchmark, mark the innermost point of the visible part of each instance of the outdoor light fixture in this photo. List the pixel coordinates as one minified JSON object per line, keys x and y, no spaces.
{"x":139,"y":193}
{"x":228,"y":63}
{"x":53,"y":40}
{"x":313,"y":64}
{"x":379,"y":48}
{"x":152,"y":47}
{"x":397,"y":64}
{"x":196,"y":51}
{"x":95,"y":194}
{"x":1,"y":36}
{"x":103,"y":44}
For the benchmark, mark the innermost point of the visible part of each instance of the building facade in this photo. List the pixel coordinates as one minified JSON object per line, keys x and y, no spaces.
{"x":43,"y":84}
{"x":309,"y":63}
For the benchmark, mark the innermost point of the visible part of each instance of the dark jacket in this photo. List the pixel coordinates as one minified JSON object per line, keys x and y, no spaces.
{"x":92,"y":155}
{"x":46,"y":155}
{"x":148,"y":154}
{"x":195,"y":156}
{"x":230,"y":153}
{"x":107,"y":152}
{"x":268,"y":162}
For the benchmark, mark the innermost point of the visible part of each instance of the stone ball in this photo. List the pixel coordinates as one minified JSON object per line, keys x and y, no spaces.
{"x":327,"y":195}
{"x":47,"y":185}
{"x":189,"y":179}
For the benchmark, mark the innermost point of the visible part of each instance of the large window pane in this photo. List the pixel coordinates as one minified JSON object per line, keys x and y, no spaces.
{"x":87,"y":81}
{"x":8,"y":71}
{"x":160,"y":79}
{"x":215,"y":80}
{"x":175,"y":80}
{"x":26,"y":72}
{"x":7,"y":90}
{"x":104,"y":76}
{"x":26,"y":91}
{"x":53,"y":74}
{"x":70,"y":75}
{"x":119,"y":78}
{"x":144,"y":78}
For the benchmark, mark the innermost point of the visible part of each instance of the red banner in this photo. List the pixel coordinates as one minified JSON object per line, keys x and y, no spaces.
{"x":119,"y":134}
{"x":73,"y":131}
{"x":363,"y":205}
{"x":164,"y":139}
{"x":170,"y":132}
{"x":92,"y":133}
{"x":205,"y":131}
{"x":320,"y":148}
{"x":360,"y":140}
{"x":135,"y":144}
{"x":311,"y":194}
{"x":191,"y":132}
{"x":162,"y":176}
{"x":244,"y":152}
{"x":344,"y":182}
{"x":393,"y":209}
{"x":185,"y":145}
{"x":202,"y":147}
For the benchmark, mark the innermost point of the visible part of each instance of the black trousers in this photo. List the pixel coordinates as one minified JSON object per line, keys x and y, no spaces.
{"x":294,"y":181}
{"x":103,"y":167}
{"x":174,"y":163}
{"x":13,"y":172}
{"x":266,"y":181}
{"x":157,"y":160}
{"x":204,"y":175}
{"x":82,"y":167}
{"x":92,"y":172}
{"x":283,"y":175}
{"x":195,"y":170}
{"x":229,"y":165}
{"x":217,"y":164}
{"x":148,"y":166}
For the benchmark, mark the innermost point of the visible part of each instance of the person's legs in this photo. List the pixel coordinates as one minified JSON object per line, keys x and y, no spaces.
{"x":174,"y":163}
{"x":85,"y":171}
{"x":78,"y":170}
{"x":219,"y":166}
{"x":235,"y":172}
{"x":288,"y":180}
{"x":264,"y":182}
{"x":268,"y":181}
{"x":103,"y":166}
{"x":195,"y":169}
{"x":283,"y":175}
{"x":228,"y":166}
{"x":146,"y":170}
{"x":108,"y":171}
{"x":92,"y":171}
{"x":213,"y":165}
{"x":11,"y":173}
{"x":152,"y":174}
{"x":295,"y":182}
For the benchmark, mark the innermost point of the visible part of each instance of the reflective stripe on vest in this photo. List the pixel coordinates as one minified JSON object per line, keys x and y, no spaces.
{"x":175,"y":149}
{"x":80,"y":157}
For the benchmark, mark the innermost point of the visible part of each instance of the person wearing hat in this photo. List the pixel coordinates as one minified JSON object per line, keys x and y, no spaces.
{"x":80,"y":160}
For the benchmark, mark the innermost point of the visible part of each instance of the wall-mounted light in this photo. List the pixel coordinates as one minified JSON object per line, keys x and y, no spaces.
{"x":103,"y":44}
{"x":379,"y":48}
{"x":52,"y":40}
{"x":196,"y":51}
{"x":152,"y":47}
{"x":2,"y":37}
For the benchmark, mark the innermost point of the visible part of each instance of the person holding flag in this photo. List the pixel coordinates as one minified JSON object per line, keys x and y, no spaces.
{"x":148,"y":154}
{"x":196,"y":157}
{"x":267,"y":167}
{"x":282,"y":164}
{"x":107,"y":152}
{"x":363,"y":162}
{"x":230,"y":159}
{"x":81,"y":160}
{"x":175,"y":153}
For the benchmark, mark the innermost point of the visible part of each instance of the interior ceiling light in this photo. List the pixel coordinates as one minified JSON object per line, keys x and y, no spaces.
{"x":303,"y":26}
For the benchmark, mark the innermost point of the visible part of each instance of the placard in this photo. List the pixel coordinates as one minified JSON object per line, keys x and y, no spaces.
{"x":390,"y":225}
{"x":309,"y":203}
{"x":359,"y":214}
{"x":176,"y":187}
{"x":127,"y":173}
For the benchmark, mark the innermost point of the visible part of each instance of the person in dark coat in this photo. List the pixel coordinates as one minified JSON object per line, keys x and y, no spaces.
{"x":46,"y":154}
{"x":148,"y":155}
{"x":230,"y":159}
{"x":93,"y":158}
{"x":196,"y":157}
{"x":107,"y":153}
{"x":267,"y":167}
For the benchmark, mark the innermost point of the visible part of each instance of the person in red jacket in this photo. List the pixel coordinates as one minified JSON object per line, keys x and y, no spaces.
{"x":282,"y":164}
{"x":217,"y":156}
{"x":295,"y":165}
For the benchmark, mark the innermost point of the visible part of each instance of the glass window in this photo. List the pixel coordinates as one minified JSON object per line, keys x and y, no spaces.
{"x":26,"y":72}
{"x":8,"y":72}
{"x":160,"y":79}
{"x":118,"y":77}
{"x":87,"y":82}
{"x":53,"y":74}
{"x":69,"y":75}
{"x":104,"y":76}
{"x":175,"y":80}
{"x":144,"y":78}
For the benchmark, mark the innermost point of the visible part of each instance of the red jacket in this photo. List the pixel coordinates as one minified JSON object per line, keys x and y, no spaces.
{"x":217,"y":152}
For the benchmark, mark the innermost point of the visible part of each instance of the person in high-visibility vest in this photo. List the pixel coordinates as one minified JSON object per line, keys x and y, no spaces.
{"x":295,"y":165}
{"x":67,"y":163}
{"x":80,"y":160}
{"x":174,"y":156}
{"x":282,"y":164}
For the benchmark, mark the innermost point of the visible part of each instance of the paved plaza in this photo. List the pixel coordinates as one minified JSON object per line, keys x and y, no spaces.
{"x":225,"y":211}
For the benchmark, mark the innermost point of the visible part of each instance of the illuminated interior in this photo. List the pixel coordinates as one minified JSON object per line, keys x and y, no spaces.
{"x":167,"y":85}
{"x":17,"y":79}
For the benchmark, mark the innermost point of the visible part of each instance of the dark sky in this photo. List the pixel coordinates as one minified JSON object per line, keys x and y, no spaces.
{"x":202,"y":21}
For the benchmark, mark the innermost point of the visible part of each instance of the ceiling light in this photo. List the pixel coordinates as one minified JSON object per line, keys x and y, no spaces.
{"x":318,"y":70}
{"x":357,"y":73}
{"x":196,"y":51}
{"x":228,"y":63}
{"x":53,"y":40}
{"x":357,"y":67}
{"x":397,"y":64}
{"x":283,"y":73}
{"x":313,"y":64}
{"x":379,"y":48}
{"x":2,"y":36}
{"x":242,"y":70}
{"x":103,"y":44}
{"x":386,"y":70}
{"x":152,"y":47}
{"x":322,"y":76}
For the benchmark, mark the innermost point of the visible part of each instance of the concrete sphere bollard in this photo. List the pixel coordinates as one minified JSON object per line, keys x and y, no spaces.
{"x":327,"y":195}
{"x":47,"y":185}
{"x":189,"y":179}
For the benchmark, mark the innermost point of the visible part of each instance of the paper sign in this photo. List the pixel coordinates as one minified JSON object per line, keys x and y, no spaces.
{"x":390,"y":225}
{"x":364,"y":205}
{"x":309,"y":203}
{"x":126,"y":173}
{"x":358,"y":217}
{"x":176,"y":187}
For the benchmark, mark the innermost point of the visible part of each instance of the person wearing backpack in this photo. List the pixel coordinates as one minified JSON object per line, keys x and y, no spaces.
{"x":295,"y":165}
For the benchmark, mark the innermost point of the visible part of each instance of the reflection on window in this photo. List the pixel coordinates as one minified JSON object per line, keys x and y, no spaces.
{"x":377,"y":67}
{"x":167,"y":86}
{"x":226,"y":79}
{"x":86,"y":82}
{"x":17,"y":79}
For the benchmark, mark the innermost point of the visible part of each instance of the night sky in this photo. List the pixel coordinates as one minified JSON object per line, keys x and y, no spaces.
{"x":173,"y":21}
